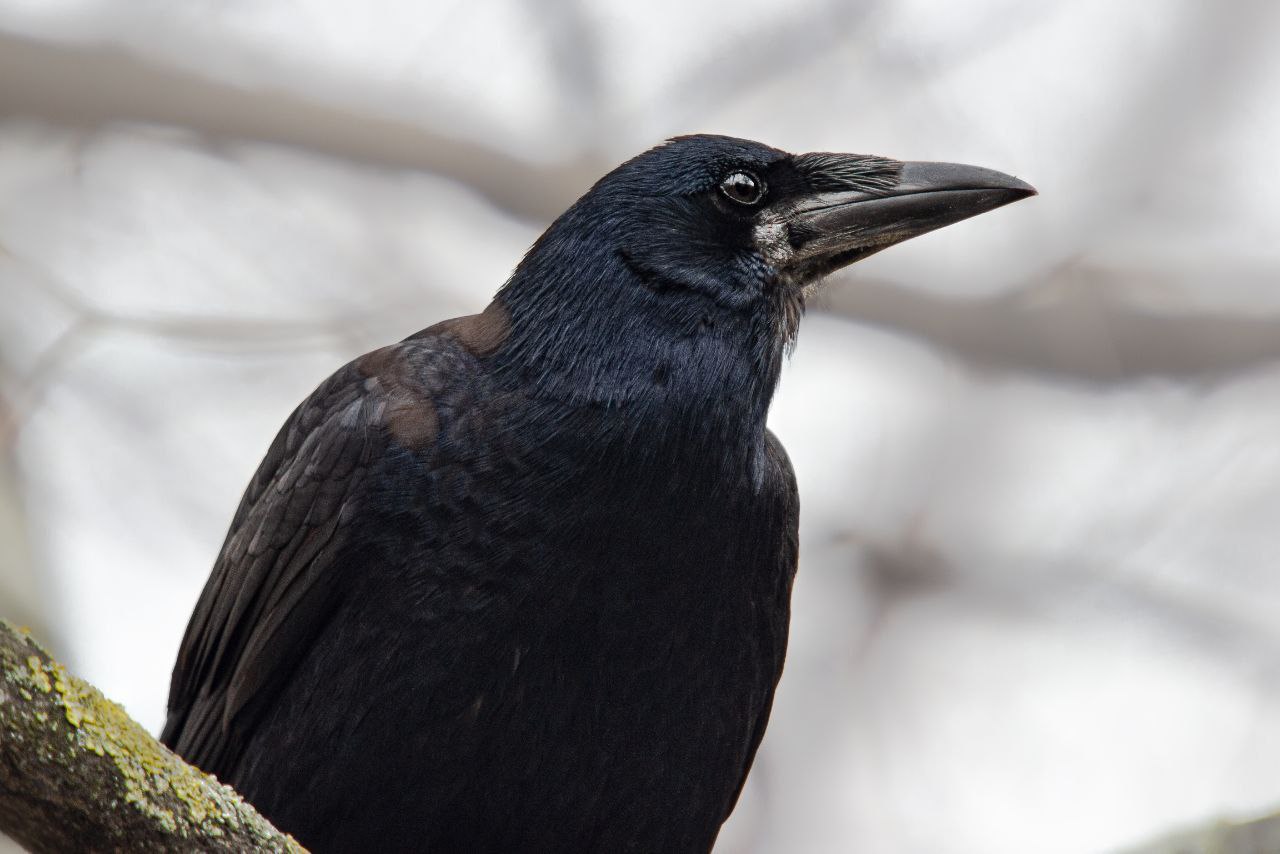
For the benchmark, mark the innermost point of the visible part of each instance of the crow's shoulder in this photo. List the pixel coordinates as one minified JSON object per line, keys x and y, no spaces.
{"x":279,"y":574}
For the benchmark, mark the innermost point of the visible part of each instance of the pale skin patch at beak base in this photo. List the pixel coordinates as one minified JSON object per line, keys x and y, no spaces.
{"x":772,"y":239}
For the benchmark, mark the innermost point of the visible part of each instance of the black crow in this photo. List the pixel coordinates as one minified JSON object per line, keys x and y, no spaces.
{"x":521,"y":582}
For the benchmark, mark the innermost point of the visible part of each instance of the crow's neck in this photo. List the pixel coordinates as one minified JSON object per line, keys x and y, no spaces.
{"x":666,"y":366}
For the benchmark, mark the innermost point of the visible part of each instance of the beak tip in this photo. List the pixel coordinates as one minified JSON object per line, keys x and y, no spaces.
{"x":1020,"y":186}
{"x":924,"y":176}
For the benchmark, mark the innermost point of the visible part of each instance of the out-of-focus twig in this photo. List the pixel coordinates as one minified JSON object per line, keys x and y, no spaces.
{"x":797,"y":41}
{"x":1074,"y":324}
{"x":91,"y":86}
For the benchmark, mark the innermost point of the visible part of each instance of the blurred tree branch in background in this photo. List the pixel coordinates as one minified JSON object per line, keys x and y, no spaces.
{"x":92,"y":86}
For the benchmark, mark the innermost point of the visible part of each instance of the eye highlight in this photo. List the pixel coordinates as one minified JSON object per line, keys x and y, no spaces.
{"x":743,"y":187}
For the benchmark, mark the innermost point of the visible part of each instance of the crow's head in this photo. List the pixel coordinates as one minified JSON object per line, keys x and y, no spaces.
{"x":711,"y":237}
{"x":735,"y":219}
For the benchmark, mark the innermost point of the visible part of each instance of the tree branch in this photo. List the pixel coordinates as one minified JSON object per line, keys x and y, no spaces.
{"x":91,"y":86}
{"x":78,"y":774}
{"x":1252,"y":836}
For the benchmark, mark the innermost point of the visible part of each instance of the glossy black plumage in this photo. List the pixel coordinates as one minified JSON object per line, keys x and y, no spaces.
{"x":521,"y":582}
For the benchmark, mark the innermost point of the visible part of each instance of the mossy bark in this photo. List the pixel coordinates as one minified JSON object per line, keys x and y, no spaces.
{"x":1253,"y":836}
{"x":78,"y":774}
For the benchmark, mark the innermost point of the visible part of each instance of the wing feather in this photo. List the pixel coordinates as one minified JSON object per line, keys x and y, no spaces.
{"x":275,"y":582}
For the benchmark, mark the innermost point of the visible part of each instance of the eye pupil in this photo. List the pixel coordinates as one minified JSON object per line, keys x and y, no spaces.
{"x":743,"y":188}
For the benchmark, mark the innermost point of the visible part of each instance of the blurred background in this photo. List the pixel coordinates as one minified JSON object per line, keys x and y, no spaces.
{"x":1039,"y":451}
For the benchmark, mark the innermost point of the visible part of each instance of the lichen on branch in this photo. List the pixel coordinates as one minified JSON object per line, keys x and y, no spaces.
{"x":77,"y":773}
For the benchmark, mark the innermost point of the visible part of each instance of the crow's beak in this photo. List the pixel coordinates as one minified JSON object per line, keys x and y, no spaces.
{"x":829,"y":230}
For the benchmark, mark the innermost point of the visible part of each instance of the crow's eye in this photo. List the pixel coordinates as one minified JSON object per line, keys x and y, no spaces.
{"x":743,"y":188}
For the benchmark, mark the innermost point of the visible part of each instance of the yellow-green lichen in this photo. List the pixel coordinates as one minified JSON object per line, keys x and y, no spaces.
{"x":148,"y":771}
{"x":38,"y":676}
{"x":153,"y":778}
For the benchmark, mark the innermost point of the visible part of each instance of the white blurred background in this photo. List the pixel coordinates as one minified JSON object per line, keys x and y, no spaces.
{"x":1039,"y":451}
